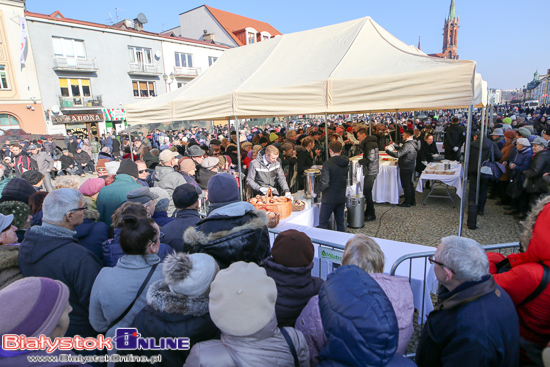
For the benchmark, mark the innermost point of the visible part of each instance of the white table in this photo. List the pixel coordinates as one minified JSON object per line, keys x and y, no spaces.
{"x":454,"y":180}
{"x":387,"y":186}
{"x":392,"y":251}
{"x":307,"y":217}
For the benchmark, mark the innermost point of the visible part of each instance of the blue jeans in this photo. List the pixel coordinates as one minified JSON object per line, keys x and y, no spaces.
{"x":327,"y":210}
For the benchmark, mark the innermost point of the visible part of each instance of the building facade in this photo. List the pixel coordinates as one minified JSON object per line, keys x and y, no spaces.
{"x":88,"y":72}
{"x":20,"y":97}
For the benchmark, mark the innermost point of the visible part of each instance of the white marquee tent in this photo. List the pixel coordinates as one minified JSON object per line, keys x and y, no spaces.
{"x":352,"y":67}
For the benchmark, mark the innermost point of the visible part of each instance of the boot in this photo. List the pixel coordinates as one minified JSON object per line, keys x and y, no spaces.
{"x":472,"y":216}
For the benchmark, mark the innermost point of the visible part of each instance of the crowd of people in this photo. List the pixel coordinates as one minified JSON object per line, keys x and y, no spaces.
{"x":139,"y":247}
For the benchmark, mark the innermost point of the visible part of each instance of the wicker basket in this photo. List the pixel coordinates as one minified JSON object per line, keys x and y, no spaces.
{"x":273,"y":219}
{"x":284,"y":209}
{"x":296,"y":207}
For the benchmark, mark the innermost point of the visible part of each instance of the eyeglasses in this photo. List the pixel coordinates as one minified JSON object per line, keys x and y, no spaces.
{"x":433,"y":261}
{"x":85,"y":207}
{"x":160,"y":238}
{"x":143,"y":170}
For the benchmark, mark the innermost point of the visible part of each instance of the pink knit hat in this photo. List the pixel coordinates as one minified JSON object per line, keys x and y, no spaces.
{"x":91,"y":186}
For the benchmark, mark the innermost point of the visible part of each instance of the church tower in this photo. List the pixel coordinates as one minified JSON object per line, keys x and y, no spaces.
{"x":450,"y":34}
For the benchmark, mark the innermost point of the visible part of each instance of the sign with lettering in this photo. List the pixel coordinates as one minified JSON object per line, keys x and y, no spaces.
{"x":332,"y":255}
{"x":78,"y":118}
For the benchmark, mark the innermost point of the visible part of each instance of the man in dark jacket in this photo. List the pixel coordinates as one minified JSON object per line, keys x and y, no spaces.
{"x":370,"y":162}
{"x":540,"y":164}
{"x":455,"y":136}
{"x":233,"y":230}
{"x":51,"y":251}
{"x":473,"y":172}
{"x":333,"y":186}
{"x":21,"y":161}
{"x":83,"y":161}
{"x":475,"y":322}
{"x":265,"y":172}
{"x":406,"y":155}
{"x":186,"y":202}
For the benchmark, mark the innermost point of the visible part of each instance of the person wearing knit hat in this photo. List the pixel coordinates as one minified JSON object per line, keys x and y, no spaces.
{"x":17,"y":189}
{"x":242,"y":306}
{"x":524,"y":142}
{"x":145,"y":196}
{"x":91,"y":187}
{"x":178,"y":304}
{"x":510,"y":134}
{"x":233,"y":230}
{"x":290,"y":266}
{"x":187,"y":215}
{"x":519,"y":205}
{"x":112,"y":196}
{"x":507,"y":120}
{"x":35,"y":178}
{"x":273,"y":137}
{"x":19,"y":302}
{"x":162,"y":202}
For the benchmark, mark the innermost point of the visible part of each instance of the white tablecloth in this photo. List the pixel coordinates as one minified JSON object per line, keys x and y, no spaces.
{"x":307,"y":217}
{"x":392,"y":251}
{"x":387,"y":186}
{"x":450,"y":180}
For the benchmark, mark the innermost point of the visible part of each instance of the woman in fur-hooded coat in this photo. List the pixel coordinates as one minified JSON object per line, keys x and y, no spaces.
{"x":526,"y":274}
{"x":178,"y":305}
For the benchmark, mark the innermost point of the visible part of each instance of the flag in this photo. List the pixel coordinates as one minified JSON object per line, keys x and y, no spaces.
{"x":23,"y":47}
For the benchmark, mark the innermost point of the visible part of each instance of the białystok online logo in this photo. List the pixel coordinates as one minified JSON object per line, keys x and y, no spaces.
{"x":125,"y":339}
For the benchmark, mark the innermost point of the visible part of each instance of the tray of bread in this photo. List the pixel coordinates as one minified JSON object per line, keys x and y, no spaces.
{"x":270,"y":203}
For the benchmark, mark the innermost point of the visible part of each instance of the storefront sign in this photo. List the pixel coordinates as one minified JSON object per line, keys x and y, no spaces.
{"x":78,"y":118}
{"x":77,"y":130}
{"x":332,"y":255}
{"x":114,"y":114}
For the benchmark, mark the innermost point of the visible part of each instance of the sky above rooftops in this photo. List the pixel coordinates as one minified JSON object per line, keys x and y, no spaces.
{"x":508,"y":39}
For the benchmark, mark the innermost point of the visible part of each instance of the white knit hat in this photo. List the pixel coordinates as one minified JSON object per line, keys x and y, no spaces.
{"x":242,"y":299}
{"x":190,"y":275}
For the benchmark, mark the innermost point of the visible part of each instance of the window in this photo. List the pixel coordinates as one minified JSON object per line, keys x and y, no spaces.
{"x":69,"y":48}
{"x":75,"y":89}
{"x":143,"y":89}
{"x":8,"y":120}
{"x":211,"y":60}
{"x":265,"y":38}
{"x":140,"y":55}
{"x":184,"y":60}
{"x":181,"y":84}
{"x":3,"y":78}
{"x":250,"y":37}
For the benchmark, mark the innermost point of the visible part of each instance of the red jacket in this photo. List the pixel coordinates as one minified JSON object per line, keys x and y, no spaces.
{"x":526,"y":274}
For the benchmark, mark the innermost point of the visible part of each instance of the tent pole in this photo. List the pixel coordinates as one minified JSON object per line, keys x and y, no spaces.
{"x":326,"y":136}
{"x":237,"y":136}
{"x":480,"y":153}
{"x":465,"y":176}
{"x":370,"y":124}
{"x":130,"y":140}
{"x":229,"y":129}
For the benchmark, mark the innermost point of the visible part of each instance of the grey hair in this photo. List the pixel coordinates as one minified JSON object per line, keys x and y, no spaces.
{"x":59,"y":202}
{"x":464,"y":257}
{"x":364,"y":252}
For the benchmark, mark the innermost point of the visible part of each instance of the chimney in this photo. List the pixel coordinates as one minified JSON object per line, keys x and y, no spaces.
{"x":208,"y":37}
{"x":548,"y":72}
{"x":138,"y":26}
{"x":127,"y":23}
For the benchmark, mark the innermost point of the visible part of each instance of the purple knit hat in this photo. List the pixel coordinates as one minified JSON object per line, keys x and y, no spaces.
{"x":91,"y":186}
{"x":32,"y":306}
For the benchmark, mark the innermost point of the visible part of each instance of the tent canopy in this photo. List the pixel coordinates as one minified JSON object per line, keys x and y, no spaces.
{"x":352,"y":67}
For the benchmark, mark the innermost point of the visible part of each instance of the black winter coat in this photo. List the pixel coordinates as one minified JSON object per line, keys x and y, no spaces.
{"x":42,"y":254}
{"x":334,"y":180}
{"x":91,"y":235}
{"x":454,"y":137}
{"x":370,"y":160}
{"x":173,"y":315}
{"x":406,"y":154}
{"x":66,"y":161}
{"x":425,"y":154}
{"x":382,"y":140}
{"x":540,"y":164}
{"x":82,"y":157}
{"x":304,"y":161}
{"x":234,"y":232}
{"x":173,"y":231}
{"x":295,"y":286}
{"x":485,"y":154}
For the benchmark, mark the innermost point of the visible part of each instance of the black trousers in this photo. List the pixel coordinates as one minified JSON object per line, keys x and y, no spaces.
{"x":408,"y":185}
{"x":327,"y":210}
{"x":483,"y":188}
{"x":368,"y":183}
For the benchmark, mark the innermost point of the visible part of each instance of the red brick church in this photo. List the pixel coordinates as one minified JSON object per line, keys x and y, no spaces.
{"x":450,"y":36}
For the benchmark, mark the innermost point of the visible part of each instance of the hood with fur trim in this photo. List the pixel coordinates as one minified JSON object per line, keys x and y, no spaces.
{"x":229,"y":239}
{"x":542,"y":210}
{"x":162,"y":299}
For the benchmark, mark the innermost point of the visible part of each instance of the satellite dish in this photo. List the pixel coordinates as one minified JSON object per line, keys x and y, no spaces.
{"x":55,"y":109}
{"x":142,"y":18}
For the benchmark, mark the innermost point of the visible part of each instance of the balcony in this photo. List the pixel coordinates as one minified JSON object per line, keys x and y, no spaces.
{"x":80,"y":103}
{"x":73,"y":64}
{"x":186,"y":72}
{"x":143,"y":69}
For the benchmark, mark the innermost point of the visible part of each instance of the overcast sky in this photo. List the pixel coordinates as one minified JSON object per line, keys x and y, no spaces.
{"x":508,"y":39}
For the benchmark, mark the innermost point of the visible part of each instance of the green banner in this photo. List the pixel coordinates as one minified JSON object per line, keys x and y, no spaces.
{"x":332,"y":255}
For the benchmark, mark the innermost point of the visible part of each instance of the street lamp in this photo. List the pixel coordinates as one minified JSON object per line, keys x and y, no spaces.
{"x":166,"y":77}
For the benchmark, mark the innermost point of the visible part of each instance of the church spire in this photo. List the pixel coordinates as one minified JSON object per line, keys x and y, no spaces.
{"x":419,"y":43}
{"x":452,"y":10}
